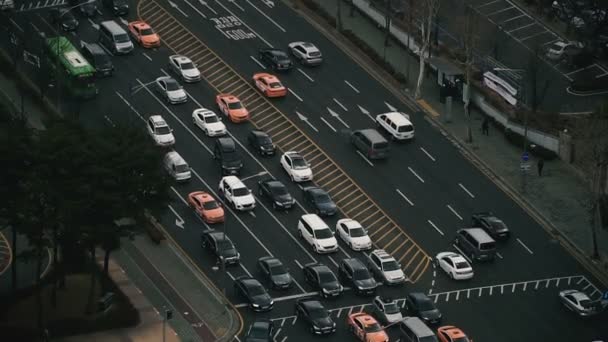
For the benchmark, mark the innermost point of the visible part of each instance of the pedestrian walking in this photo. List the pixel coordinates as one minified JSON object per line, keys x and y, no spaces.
{"x":540,"y":165}
{"x":485,"y":126}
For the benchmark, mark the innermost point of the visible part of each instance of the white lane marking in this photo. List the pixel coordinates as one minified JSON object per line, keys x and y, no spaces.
{"x":267,"y":17}
{"x":284,"y":339}
{"x":180,"y":196}
{"x":434,"y":226}
{"x":235,"y":4}
{"x":462,"y":253}
{"x":231,"y":277}
{"x":366,"y":112}
{"x":524,"y":246}
{"x":179,"y":221}
{"x":337,"y":116}
{"x":196,"y":9}
{"x":427,"y":154}
{"x":298,"y":263}
{"x":391,"y":108}
{"x":457,"y":295}
{"x":305,"y":75}
{"x":491,"y":290}
{"x":404,"y":197}
{"x":513,"y":288}
{"x":333,"y":261}
{"x":16,"y":25}
{"x":454,"y":212}
{"x":146,"y":55}
{"x":364,"y":158}
{"x":130,"y":106}
{"x":466,"y":190}
{"x":341,"y":105}
{"x":258,"y":62}
{"x":245,"y":269}
{"x":415,"y":174}
{"x":294,"y":94}
{"x":327,"y":123}
{"x":486,"y":4}
{"x":499,"y":11}
{"x":513,"y":18}
{"x":499,"y":255}
{"x":305,"y":119}
{"x":244,"y":24}
{"x":277,"y":334}
{"x":352,"y":87}
{"x":339,"y":312}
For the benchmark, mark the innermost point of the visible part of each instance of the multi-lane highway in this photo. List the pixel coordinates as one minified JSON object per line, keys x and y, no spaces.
{"x":412,"y":203}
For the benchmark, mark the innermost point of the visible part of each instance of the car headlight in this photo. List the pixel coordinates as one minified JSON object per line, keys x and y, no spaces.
{"x":325,"y":290}
{"x":333,"y":324}
{"x":255,"y":305}
{"x":278,"y":203}
{"x":272,"y":302}
{"x":316,"y":327}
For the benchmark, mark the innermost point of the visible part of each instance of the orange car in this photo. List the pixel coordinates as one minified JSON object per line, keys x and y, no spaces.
{"x":366,"y":328}
{"x":144,"y":34}
{"x":206,"y":206}
{"x":269,"y":85}
{"x":232,"y":107}
{"x":450,"y":333}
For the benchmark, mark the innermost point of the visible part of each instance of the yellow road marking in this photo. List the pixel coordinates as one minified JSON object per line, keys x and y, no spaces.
{"x":428,"y":108}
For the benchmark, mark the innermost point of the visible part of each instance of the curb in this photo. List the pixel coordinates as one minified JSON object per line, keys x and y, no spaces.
{"x":391,"y":85}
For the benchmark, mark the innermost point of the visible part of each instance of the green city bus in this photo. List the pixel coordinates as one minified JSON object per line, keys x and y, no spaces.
{"x":73,"y":71}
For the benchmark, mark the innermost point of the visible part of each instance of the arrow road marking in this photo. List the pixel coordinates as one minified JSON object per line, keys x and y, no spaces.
{"x":366,"y":112}
{"x":196,"y":9}
{"x":305,"y":119}
{"x":335,"y":115}
{"x":178,"y":221}
{"x":327,"y":123}
{"x":243,"y":22}
{"x":352,"y":86}
{"x":339,"y":104}
{"x":267,"y":17}
{"x":268,"y":3}
{"x":391,"y":108}
{"x":174,"y":5}
{"x":204,"y":3}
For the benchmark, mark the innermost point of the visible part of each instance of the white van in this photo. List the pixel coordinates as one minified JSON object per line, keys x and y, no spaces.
{"x":317,"y":233}
{"x":397,"y":124}
{"x":177,"y":166}
{"x":114,"y":37}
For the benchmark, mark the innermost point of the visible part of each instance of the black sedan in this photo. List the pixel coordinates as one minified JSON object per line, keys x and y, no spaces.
{"x":354,"y":272}
{"x":253,"y":292}
{"x":260,"y":331}
{"x":321,"y":278}
{"x":261,"y":142}
{"x":221,"y":246}
{"x":316,"y":316}
{"x":419,"y":304}
{"x":64,"y":18}
{"x":273,"y":270}
{"x":88,"y":8}
{"x":276,"y":59}
{"x":277,"y":193}
{"x":319,"y":199}
{"x":494,"y":226}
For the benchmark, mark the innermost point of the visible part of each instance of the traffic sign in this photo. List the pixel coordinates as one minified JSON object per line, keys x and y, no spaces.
{"x":524,"y":166}
{"x":605,"y":296}
{"x":525,"y":156}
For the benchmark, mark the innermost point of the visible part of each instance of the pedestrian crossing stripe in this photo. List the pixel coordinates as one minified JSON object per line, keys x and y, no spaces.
{"x":39,"y":4}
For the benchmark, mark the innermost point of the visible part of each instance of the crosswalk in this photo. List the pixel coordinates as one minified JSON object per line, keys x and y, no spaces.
{"x":39,"y":4}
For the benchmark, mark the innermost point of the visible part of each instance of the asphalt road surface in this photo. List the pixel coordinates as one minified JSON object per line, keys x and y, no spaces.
{"x":425,"y":191}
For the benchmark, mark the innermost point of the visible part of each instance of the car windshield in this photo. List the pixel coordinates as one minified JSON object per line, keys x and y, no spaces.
{"x":326,"y":277}
{"x":162,"y":130}
{"x":498,"y":224}
{"x":373,"y":327}
{"x":586,"y":303}
{"x":357,"y":232}
{"x":182,"y":168}
{"x":121,"y":38}
{"x":391,"y":308}
{"x":322,"y":198}
{"x":426,"y":305}
{"x":278,"y":190}
{"x":240,"y":192}
{"x":259,"y":332}
{"x":187,"y":66}
{"x":235,"y":105}
{"x":264,"y":140}
{"x":462,"y":264}
{"x":231,"y":156}
{"x":390,"y":265}
{"x":323,"y":233}
{"x":211,"y":119}
{"x":278,"y":269}
{"x":461,"y":339}
{"x":315,"y":54}
{"x":405,"y":128}
{"x":209,"y":205}
{"x":224,"y":244}
{"x":361,"y":274}
{"x":299,"y":163}
{"x":172,"y":85}
{"x":275,"y":85}
{"x":256,"y":290}
{"x":102,"y":60}
{"x":146,"y":32}
{"x":316,"y":313}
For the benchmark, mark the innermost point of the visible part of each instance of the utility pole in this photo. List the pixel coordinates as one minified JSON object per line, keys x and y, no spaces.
{"x":339,"y":15}
{"x":223,"y":260}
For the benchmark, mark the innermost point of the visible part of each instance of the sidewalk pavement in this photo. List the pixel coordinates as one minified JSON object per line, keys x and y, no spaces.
{"x":561,"y":186}
{"x":9,"y":93}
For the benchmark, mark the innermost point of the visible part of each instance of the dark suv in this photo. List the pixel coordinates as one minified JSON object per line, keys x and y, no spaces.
{"x":226,"y":154}
{"x":494,"y":226}
{"x":98,"y":57}
{"x":221,"y":246}
{"x":276,"y":59}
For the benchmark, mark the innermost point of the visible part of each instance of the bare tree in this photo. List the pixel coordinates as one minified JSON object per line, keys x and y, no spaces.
{"x":428,"y":11}
{"x":470,"y":39}
{"x":592,"y":155}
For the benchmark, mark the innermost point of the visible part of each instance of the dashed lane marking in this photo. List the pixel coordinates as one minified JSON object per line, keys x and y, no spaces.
{"x":265,"y":116}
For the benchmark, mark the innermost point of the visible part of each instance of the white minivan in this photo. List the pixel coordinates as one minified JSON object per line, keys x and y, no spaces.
{"x":397,"y":124}
{"x":176,"y":166}
{"x":317,"y":233}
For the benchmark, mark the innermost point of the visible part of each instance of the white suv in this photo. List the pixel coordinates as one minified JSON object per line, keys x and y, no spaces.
{"x":397,"y":124}
{"x":317,"y":233}
{"x":296,"y":166}
{"x":236,"y":193}
{"x":385,"y":267}
{"x":353,"y":234}
{"x":160,"y":131}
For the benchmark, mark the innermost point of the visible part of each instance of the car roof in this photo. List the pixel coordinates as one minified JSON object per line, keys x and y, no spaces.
{"x":141,"y":24}
{"x":276,"y":51}
{"x":180,"y":58}
{"x":273,"y":183}
{"x":270,"y":261}
{"x":226,"y":143}
{"x":158,"y":120}
{"x":233,"y":180}
{"x":311,"y":303}
{"x":249,"y":281}
{"x":453,"y":332}
{"x":318,"y":267}
{"x":365,"y":318}
{"x":419,"y":296}
{"x":479,"y":234}
{"x":579,"y":295}
{"x":382,"y":254}
{"x":205,"y":197}
{"x":262,"y":324}
{"x":218,"y":236}
{"x":315,"y":221}
{"x":372,"y":134}
{"x":230,"y":98}
{"x":293,"y":154}
{"x":398,"y":118}
{"x":258,"y":133}
{"x":267,"y":76}
{"x":350,"y":223}
{"x":95,"y":48}
{"x":354,"y":263}
{"x":315,"y":190}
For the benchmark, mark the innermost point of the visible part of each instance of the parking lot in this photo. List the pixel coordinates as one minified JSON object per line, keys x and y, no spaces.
{"x":531,"y":33}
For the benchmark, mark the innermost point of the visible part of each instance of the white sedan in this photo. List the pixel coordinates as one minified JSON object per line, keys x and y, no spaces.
{"x":209,"y":122}
{"x":296,"y":166}
{"x":171,"y":90}
{"x":185,"y":68}
{"x":353,"y":234}
{"x":454,"y":265}
{"x":580,"y":303}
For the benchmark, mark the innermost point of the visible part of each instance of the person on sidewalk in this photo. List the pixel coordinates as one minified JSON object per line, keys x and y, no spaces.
{"x":540,"y":165}
{"x":485,"y":126}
